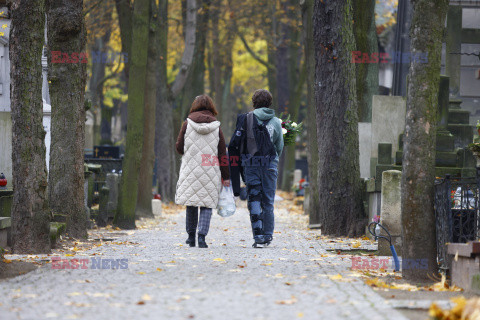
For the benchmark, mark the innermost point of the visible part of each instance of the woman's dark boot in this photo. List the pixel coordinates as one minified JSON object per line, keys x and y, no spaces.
{"x":201,"y":241}
{"x":191,"y":239}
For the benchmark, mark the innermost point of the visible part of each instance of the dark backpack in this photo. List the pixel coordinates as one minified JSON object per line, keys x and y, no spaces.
{"x":258,"y":139}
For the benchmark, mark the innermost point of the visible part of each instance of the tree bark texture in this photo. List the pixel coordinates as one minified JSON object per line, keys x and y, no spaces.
{"x":340,"y":187}
{"x":125,"y":16}
{"x":311,"y":123}
{"x":366,"y":42}
{"x":145,"y":178}
{"x":66,"y":33}
{"x":30,"y":212}
{"x":125,"y":216}
{"x":418,"y":218}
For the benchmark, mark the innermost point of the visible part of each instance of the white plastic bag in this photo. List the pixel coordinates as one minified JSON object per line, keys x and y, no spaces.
{"x":226,"y":202}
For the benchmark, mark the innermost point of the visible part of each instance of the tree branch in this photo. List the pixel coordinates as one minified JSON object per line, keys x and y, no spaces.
{"x":190,"y":40}
{"x":253,"y":54}
{"x":87,"y":11}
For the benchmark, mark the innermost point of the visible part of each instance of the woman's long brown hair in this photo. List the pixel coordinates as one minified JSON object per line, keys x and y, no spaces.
{"x":203,"y":102}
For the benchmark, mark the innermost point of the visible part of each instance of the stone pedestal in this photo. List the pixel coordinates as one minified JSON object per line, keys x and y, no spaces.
{"x":6,"y":200}
{"x":102,"y":218}
{"x":297,"y":176}
{"x":391,"y":211}
{"x":112,"y":184}
{"x":157,"y":207}
{"x":364,"y":139}
{"x":385,"y":153}
{"x":465,"y":265}
{"x":5,"y":224}
{"x":374,"y":200}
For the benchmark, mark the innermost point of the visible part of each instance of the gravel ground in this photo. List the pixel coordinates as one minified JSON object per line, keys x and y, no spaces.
{"x":294,"y":278}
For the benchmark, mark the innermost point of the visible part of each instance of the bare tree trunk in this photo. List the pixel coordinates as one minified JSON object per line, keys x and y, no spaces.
{"x":195,"y":82}
{"x":125,"y":216}
{"x":145,"y":178}
{"x":340,"y":187}
{"x":165,"y":156}
{"x":30,"y":213}
{"x":125,"y":14}
{"x":311,"y":121}
{"x":95,"y":89}
{"x":66,"y":33}
{"x":366,"y":42}
{"x":418,"y":218}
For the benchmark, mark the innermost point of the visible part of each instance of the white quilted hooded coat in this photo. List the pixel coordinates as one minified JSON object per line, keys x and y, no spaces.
{"x":199,"y":185}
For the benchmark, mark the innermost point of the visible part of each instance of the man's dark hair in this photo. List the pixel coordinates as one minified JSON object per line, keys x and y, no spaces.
{"x":262,"y":99}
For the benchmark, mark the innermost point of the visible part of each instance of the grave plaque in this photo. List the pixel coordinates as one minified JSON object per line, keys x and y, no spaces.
{"x":106,"y":152}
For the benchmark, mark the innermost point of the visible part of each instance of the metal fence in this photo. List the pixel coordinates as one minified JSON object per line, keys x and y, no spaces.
{"x":456,"y":214}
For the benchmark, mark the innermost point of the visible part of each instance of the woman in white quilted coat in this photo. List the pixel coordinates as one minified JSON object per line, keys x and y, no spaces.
{"x":204,"y":167}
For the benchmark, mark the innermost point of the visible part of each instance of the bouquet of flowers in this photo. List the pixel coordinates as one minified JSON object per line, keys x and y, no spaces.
{"x":290,"y":129}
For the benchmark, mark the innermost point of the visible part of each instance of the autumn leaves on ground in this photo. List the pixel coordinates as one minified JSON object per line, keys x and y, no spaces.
{"x":302,"y":275}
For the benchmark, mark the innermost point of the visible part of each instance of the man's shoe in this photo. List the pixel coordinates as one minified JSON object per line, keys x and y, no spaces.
{"x":191,"y":239}
{"x":201,"y":241}
{"x":268,"y":240}
{"x":258,"y":245}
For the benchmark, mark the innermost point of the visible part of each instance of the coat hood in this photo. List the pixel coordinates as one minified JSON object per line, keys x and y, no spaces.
{"x":203,"y":116}
{"x":205,"y":127}
{"x":264,"y":113}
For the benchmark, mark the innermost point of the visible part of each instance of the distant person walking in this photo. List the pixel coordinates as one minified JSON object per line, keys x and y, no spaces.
{"x":258,"y":142}
{"x":200,"y":181}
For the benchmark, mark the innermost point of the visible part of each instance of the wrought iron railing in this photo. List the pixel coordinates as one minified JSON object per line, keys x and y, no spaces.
{"x":456,"y":214}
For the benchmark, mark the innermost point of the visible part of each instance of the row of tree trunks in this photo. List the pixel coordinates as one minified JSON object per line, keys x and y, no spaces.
{"x":340,"y":187}
{"x":418,"y":218}
{"x":30,"y":213}
{"x":125,"y":216}
{"x":66,"y":33}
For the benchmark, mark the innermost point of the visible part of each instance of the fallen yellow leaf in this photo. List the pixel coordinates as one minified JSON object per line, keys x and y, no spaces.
{"x":356,"y":244}
{"x":336,"y":277}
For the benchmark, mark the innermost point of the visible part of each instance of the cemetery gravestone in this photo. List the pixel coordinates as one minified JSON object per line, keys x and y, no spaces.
{"x":365,"y":140}
{"x":391,"y":213}
{"x":112,"y":184}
